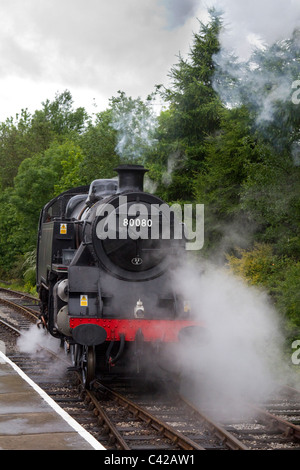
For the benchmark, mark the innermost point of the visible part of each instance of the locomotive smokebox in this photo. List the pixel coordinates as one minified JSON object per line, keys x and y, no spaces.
{"x":131,"y":177}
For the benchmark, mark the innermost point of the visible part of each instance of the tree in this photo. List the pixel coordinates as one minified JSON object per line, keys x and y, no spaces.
{"x":194,"y":109}
{"x":279,"y":275}
{"x":34,"y":186}
{"x":12,"y":232}
{"x":219,"y":183}
{"x":250,"y":175}
{"x":270,"y":195}
{"x":271,"y":192}
{"x":71,"y":159}
{"x":61,"y":115}
{"x":98,"y":145}
{"x":15,"y":146}
{"x":28,"y":135}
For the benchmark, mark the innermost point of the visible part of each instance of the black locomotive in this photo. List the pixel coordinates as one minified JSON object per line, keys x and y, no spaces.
{"x":104,"y":261}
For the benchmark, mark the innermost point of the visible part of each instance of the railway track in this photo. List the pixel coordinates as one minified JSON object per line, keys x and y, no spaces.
{"x":179,"y":424}
{"x":19,"y":303}
{"x":262,"y":427}
{"x":141,"y":416}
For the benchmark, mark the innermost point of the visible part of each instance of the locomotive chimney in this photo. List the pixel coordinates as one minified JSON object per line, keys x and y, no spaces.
{"x":131,"y":177}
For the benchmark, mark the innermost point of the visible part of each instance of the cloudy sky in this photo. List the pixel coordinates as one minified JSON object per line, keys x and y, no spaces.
{"x":96,"y":47}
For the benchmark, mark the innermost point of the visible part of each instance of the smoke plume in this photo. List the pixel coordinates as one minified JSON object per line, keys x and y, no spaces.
{"x":135,"y":124}
{"x":37,"y":342}
{"x":258,"y":61}
{"x":239,"y":357}
{"x":35,"y":339}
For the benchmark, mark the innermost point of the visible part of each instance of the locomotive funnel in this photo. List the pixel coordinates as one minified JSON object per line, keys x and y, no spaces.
{"x":131,"y":177}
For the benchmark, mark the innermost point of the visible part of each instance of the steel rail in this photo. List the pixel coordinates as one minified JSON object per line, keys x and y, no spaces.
{"x":10,"y":327}
{"x":25,"y":310}
{"x":288,"y":428}
{"x":219,"y":431}
{"x":19,"y":294}
{"x":176,"y":437}
{"x":99,"y":411}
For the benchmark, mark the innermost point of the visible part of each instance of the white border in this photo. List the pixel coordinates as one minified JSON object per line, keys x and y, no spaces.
{"x":76,"y":426}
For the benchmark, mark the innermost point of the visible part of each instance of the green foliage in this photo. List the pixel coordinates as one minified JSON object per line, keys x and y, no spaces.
{"x":35,"y":181}
{"x":257,"y":266}
{"x":288,"y":293}
{"x":98,"y":146}
{"x":71,"y":158}
{"x":271,"y":197}
{"x":29,"y":272}
{"x":225,"y":164}
{"x":61,"y":116}
{"x":193,"y":114}
{"x":39,"y":156}
{"x":11,"y":232}
{"x":15,"y":146}
{"x":28,"y":135}
{"x":278,"y":274}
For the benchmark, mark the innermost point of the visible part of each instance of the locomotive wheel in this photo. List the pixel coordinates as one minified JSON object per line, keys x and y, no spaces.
{"x":88,"y":365}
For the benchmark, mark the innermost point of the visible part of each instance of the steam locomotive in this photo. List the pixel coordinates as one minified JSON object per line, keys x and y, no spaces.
{"x":105,"y":257}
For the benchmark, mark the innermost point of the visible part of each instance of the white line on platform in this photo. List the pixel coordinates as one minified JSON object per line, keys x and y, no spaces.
{"x":76,"y":426}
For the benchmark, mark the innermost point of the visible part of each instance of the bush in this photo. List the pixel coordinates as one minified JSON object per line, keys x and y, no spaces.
{"x":278,"y":275}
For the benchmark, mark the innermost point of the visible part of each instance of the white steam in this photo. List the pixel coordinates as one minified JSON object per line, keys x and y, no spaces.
{"x":175,"y":161}
{"x":249,"y":24}
{"x":262,"y":80}
{"x":240,"y":357}
{"x":136,"y":124}
{"x":37,"y":342}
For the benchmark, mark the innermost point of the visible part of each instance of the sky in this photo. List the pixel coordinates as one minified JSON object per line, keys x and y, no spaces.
{"x":93,"y":48}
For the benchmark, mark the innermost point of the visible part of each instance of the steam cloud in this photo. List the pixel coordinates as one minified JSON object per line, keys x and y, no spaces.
{"x":255,"y":26}
{"x":36,"y":342}
{"x":239,"y":359}
{"x":248,"y":24}
{"x":135,"y":124}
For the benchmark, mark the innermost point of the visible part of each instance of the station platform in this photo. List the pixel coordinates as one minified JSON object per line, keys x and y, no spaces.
{"x":31,"y":420}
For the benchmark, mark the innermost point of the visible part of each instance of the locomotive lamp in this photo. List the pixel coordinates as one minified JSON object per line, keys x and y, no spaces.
{"x":139,"y":311}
